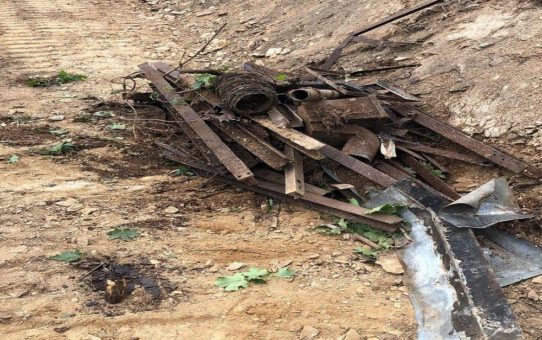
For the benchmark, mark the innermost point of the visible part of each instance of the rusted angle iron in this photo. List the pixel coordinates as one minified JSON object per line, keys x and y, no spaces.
{"x":488,"y":152}
{"x":229,"y":159}
{"x":389,"y":223}
{"x":433,"y":180}
{"x":442,"y":152}
{"x":336,"y":54}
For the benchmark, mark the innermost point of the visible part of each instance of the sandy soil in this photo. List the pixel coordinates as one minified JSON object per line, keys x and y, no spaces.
{"x":51,"y":204}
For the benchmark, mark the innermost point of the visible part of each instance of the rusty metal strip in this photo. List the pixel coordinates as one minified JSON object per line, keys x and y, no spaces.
{"x":397,"y":91}
{"x":389,"y":223}
{"x":491,"y":153}
{"x":229,"y":159}
{"x":327,"y":81}
{"x":390,"y":170}
{"x":358,"y":166}
{"x":442,"y":152}
{"x":433,"y":180}
{"x":291,"y":115}
{"x":252,"y":143}
{"x":336,"y":54}
{"x":278,"y":178}
{"x":365,"y":145}
{"x":278,"y":118}
{"x":294,"y":179}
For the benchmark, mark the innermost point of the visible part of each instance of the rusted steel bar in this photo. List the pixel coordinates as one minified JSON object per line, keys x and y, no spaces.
{"x":229,"y":159}
{"x":364,"y":144}
{"x":294,"y":179}
{"x":442,"y":152}
{"x":385,"y":222}
{"x":308,"y":145}
{"x":278,"y":178}
{"x":253,"y":144}
{"x":336,"y":54}
{"x":493,"y":154}
{"x":290,"y":114}
{"x":358,"y":166}
{"x":397,"y":91}
{"x":433,"y":180}
{"x":390,"y":170}
{"x":327,"y":81}
{"x":278,"y":118}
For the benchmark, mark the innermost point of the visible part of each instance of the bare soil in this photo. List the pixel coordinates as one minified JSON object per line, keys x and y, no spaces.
{"x":480,"y":69}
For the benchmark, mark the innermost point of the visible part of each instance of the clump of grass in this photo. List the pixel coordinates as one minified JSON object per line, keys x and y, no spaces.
{"x":62,"y":77}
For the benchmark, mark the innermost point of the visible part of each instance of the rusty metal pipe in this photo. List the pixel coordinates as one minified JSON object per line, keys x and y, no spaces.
{"x":308,"y":94}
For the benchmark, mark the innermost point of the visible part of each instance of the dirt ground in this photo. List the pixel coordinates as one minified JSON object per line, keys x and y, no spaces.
{"x":479,"y":69}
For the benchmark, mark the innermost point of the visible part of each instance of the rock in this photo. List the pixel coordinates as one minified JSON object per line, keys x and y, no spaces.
{"x":235,"y":266}
{"x":171,"y":210}
{"x":537,"y":279}
{"x":390,"y":263}
{"x":71,"y":204}
{"x":352,"y":334}
{"x":309,"y":332}
{"x":313,"y":256}
{"x":274,"y":51}
{"x":533,"y":295}
{"x":56,"y":118}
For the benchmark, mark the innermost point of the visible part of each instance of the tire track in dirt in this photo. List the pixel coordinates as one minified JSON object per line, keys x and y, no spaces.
{"x":41,"y":37}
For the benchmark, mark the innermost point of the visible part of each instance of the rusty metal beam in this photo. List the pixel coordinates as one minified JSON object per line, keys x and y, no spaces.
{"x":386,"y":222}
{"x":294,"y":178}
{"x":229,"y":159}
{"x":367,"y":171}
{"x":433,"y":180}
{"x":442,"y":152}
{"x":493,"y":154}
{"x":335,"y":55}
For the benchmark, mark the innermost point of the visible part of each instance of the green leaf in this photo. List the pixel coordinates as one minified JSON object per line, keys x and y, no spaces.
{"x":125,"y":234}
{"x":256,"y":274}
{"x":382,"y":238}
{"x":354,"y":201}
{"x":65,"y":77}
{"x":58,"y":149}
{"x":342,"y":223}
{"x":183,"y":171}
{"x":103,"y":114}
{"x":285,"y":272}
{"x":387,"y":208}
{"x":13,"y":159}
{"x":67,"y":256}
{"x":204,"y":80}
{"x":328,"y":229}
{"x":438,"y":173}
{"x":58,"y":132}
{"x":366,"y":252}
{"x":232,"y":283}
{"x":270,"y":204}
{"x":281,"y":77}
{"x":116,"y":126}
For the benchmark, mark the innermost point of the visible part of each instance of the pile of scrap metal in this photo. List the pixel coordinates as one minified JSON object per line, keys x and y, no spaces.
{"x":293,"y":138}
{"x":261,"y":131}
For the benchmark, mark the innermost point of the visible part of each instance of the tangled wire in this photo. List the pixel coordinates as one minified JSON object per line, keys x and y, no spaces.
{"x":246,"y":93}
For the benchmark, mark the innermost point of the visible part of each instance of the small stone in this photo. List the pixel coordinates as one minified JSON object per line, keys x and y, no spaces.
{"x":313,"y":256}
{"x":352,"y":334}
{"x":537,"y":279}
{"x":171,"y":210}
{"x":56,"y":118}
{"x":341,"y":259}
{"x":309,"y":332}
{"x":273,"y":52}
{"x":235,"y":266}
{"x":533,"y":295}
{"x":390,"y":263}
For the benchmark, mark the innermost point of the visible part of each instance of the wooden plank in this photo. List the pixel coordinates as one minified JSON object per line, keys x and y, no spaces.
{"x":253,"y":144}
{"x":229,"y":159}
{"x":367,"y":171}
{"x":294,"y":179}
